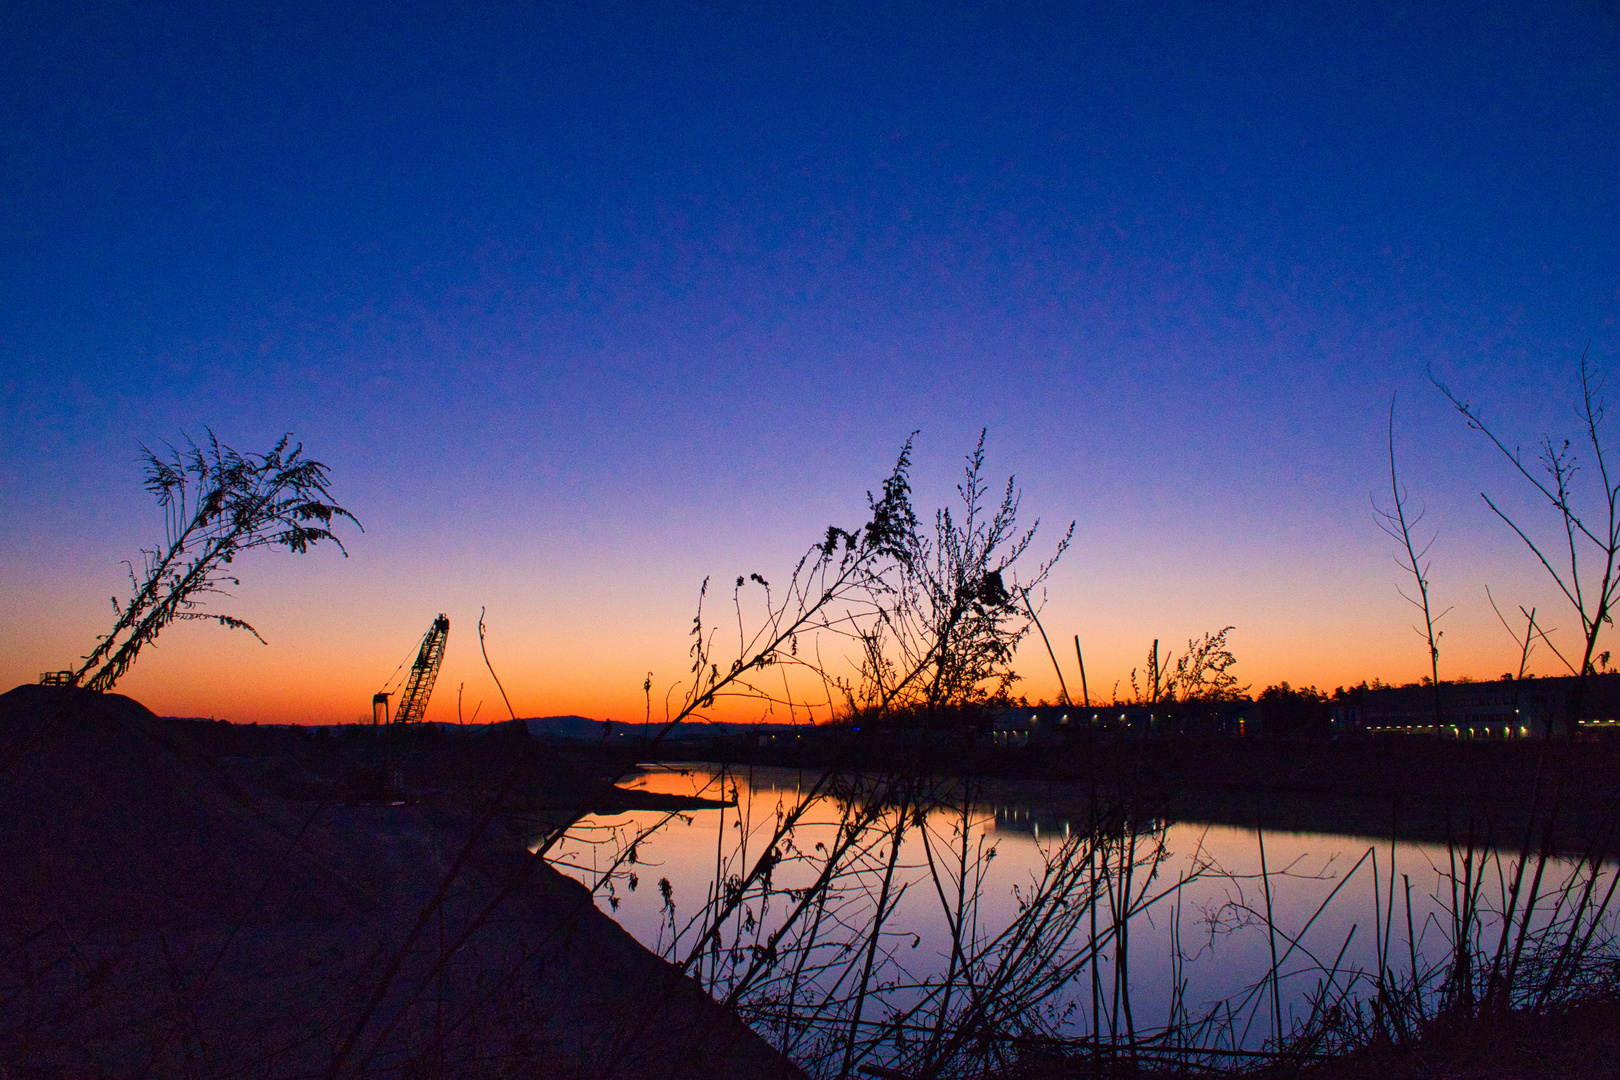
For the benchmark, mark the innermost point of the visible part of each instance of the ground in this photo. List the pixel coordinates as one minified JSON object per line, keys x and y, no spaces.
{"x":163,"y":912}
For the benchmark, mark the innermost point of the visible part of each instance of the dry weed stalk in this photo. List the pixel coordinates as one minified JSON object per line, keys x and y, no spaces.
{"x":217,"y":504}
{"x":1413,"y":559}
{"x":1202,"y":673}
{"x":948,"y":616}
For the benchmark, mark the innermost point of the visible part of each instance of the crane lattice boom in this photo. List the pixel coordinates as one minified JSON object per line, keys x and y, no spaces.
{"x":413,"y":700}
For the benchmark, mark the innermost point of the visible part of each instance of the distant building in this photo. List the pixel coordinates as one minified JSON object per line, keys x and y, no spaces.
{"x":1038,"y":725}
{"x":1506,"y":709}
{"x":1238,"y":718}
{"x":1033,"y":725}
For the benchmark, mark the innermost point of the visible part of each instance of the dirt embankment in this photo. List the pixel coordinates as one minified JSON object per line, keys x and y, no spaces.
{"x":164,"y":911}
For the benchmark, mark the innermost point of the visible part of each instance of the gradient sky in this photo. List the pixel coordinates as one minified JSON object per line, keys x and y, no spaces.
{"x":582,"y":303}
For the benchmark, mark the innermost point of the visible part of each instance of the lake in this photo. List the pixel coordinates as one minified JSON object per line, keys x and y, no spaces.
{"x":1128,"y":930}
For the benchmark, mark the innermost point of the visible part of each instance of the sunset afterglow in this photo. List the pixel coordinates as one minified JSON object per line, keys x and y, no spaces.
{"x":582,"y":307}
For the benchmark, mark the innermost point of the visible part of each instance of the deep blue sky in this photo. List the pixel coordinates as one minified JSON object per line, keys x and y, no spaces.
{"x":584,"y":302}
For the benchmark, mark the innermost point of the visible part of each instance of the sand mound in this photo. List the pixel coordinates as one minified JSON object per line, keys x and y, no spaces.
{"x":160,"y":915}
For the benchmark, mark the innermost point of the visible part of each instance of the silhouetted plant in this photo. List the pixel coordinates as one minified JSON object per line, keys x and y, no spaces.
{"x":1527,"y":644}
{"x":837,"y":587}
{"x":1413,"y":559}
{"x":934,"y":619}
{"x":949,"y":615}
{"x":830,"y":588}
{"x":1151,"y":689}
{"x":1202,"y":673}
{"x":217,"y":504}
{"x":1593,"y":602}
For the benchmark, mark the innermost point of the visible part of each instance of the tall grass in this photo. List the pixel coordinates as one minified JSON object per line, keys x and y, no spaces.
{"x":805,"y":936}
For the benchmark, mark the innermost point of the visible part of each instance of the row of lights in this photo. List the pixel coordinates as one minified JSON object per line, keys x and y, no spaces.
{"x":1456,"y":730}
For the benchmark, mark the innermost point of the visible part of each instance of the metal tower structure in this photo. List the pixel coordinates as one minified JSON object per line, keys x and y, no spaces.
{"x":413,"y":700}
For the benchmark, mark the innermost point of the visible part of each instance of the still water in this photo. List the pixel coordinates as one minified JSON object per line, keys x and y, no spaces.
{"x":1203,"y":924}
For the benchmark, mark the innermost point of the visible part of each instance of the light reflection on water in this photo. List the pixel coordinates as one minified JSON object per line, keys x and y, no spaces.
{"x":1209,"y":930}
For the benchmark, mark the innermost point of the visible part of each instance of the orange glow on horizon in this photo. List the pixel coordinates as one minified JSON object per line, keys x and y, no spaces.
{"x":577,"y":631}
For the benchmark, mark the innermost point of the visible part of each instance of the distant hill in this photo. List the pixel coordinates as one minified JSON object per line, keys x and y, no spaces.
{"x":580,"y":730}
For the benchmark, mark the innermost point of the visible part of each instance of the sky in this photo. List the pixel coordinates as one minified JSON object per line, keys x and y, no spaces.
{"x":581,"y":304}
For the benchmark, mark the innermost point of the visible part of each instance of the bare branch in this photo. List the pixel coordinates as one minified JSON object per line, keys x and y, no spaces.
{"x":1585,"y":545}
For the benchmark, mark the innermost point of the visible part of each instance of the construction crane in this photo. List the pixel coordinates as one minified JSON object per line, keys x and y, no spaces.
{"x":413,"y":700}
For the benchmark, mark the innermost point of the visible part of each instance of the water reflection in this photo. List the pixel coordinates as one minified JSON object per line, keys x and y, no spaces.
{"x":1116,"y":928}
